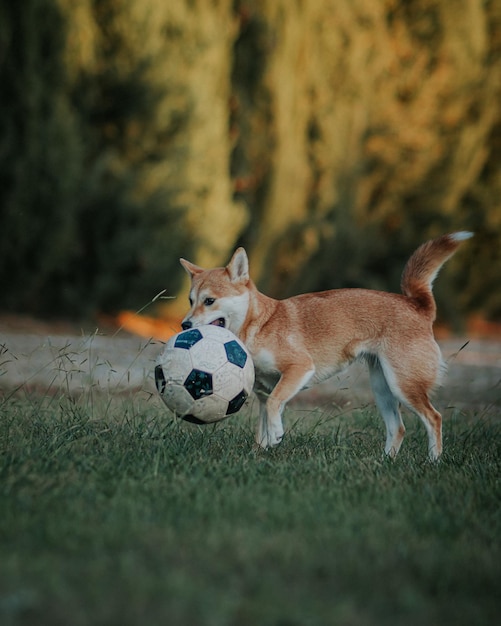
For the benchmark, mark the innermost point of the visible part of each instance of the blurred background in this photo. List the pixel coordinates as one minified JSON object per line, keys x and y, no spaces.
{"x":329,"y":137}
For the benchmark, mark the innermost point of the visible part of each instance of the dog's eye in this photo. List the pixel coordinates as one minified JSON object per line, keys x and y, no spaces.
{"x":191,"y":301}
{"x":209,"y":301}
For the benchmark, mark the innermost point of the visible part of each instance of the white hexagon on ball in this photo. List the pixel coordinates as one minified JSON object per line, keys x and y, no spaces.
{"x":175,"y":364}
{"x":208,"y":355}
{"x":228,"y":381}
{"x":176,"y":395}
{"x":210,"y":409}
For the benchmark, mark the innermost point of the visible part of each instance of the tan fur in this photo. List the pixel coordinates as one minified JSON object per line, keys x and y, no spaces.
{"x":303,"y":340}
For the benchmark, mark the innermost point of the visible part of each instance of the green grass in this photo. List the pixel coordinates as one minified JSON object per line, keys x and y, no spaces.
{"x":118,"y":514}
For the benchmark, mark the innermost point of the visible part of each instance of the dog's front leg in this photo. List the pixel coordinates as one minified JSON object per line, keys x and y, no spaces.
{"x":263,"y":434}
{"x":270,"y":428}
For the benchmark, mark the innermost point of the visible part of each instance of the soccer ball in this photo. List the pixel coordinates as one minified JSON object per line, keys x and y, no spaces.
{"x":204,"y":374}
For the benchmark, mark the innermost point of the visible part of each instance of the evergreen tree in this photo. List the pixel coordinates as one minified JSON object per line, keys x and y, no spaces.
{"x":40,"y":151}
{"x":87,"y":222}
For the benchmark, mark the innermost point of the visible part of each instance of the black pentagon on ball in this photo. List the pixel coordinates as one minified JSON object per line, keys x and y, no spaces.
{"x":236,"y":404}
{"x":188,"y":338}
{"x":193,"y":420}
{"x":235,"y":353}
{"x":198,"y":384}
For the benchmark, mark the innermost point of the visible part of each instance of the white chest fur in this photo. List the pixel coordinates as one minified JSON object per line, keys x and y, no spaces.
{"x":264,"y":361}
{"x":267,"y":373}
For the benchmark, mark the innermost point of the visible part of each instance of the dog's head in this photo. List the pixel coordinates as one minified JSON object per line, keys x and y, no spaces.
{"x":219,"y":296}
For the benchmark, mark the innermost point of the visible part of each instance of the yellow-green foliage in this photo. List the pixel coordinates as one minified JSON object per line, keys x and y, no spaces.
{"x":330,"y":138}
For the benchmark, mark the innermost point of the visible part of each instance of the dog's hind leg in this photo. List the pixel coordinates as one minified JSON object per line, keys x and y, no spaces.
{"x":411,"y":384}
{"x":388,"y":405}
{"x":420,"y":404}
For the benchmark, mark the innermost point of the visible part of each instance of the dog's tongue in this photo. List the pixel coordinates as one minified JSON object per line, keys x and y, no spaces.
{"x":218,"y":322}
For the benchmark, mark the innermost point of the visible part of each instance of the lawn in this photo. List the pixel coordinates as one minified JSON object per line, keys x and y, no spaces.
{"x":112,"y":512}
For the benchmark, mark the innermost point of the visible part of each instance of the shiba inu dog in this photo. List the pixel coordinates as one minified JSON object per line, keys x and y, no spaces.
{"x":301,"y":341}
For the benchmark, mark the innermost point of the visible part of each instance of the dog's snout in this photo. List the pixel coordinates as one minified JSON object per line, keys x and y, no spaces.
{"x":186,"y":325}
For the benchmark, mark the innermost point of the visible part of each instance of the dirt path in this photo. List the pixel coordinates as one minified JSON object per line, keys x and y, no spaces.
{"x":47,"y":359}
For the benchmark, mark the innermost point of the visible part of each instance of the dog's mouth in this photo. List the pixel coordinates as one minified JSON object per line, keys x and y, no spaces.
{"x":219,"y":322}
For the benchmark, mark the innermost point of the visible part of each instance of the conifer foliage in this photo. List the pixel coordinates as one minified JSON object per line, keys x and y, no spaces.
{"x":82,"y":225}
{"x":328,"y":138}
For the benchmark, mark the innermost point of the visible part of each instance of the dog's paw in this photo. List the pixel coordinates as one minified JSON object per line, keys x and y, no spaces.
{"x":275,"y":437}
{"x":270,"y":437}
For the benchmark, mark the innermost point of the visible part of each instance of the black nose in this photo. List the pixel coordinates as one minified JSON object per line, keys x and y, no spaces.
{"x":186,"y":325}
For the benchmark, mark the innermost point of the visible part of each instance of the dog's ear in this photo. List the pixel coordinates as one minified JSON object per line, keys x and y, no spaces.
{"x":238,"y":267}
{"x":191,"y":268}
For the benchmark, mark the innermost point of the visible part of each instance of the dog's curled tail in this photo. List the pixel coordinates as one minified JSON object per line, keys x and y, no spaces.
{"x":423,"y":267}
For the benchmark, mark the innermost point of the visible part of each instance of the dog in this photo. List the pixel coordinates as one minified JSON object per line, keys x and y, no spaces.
{"x":303,"y":340}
